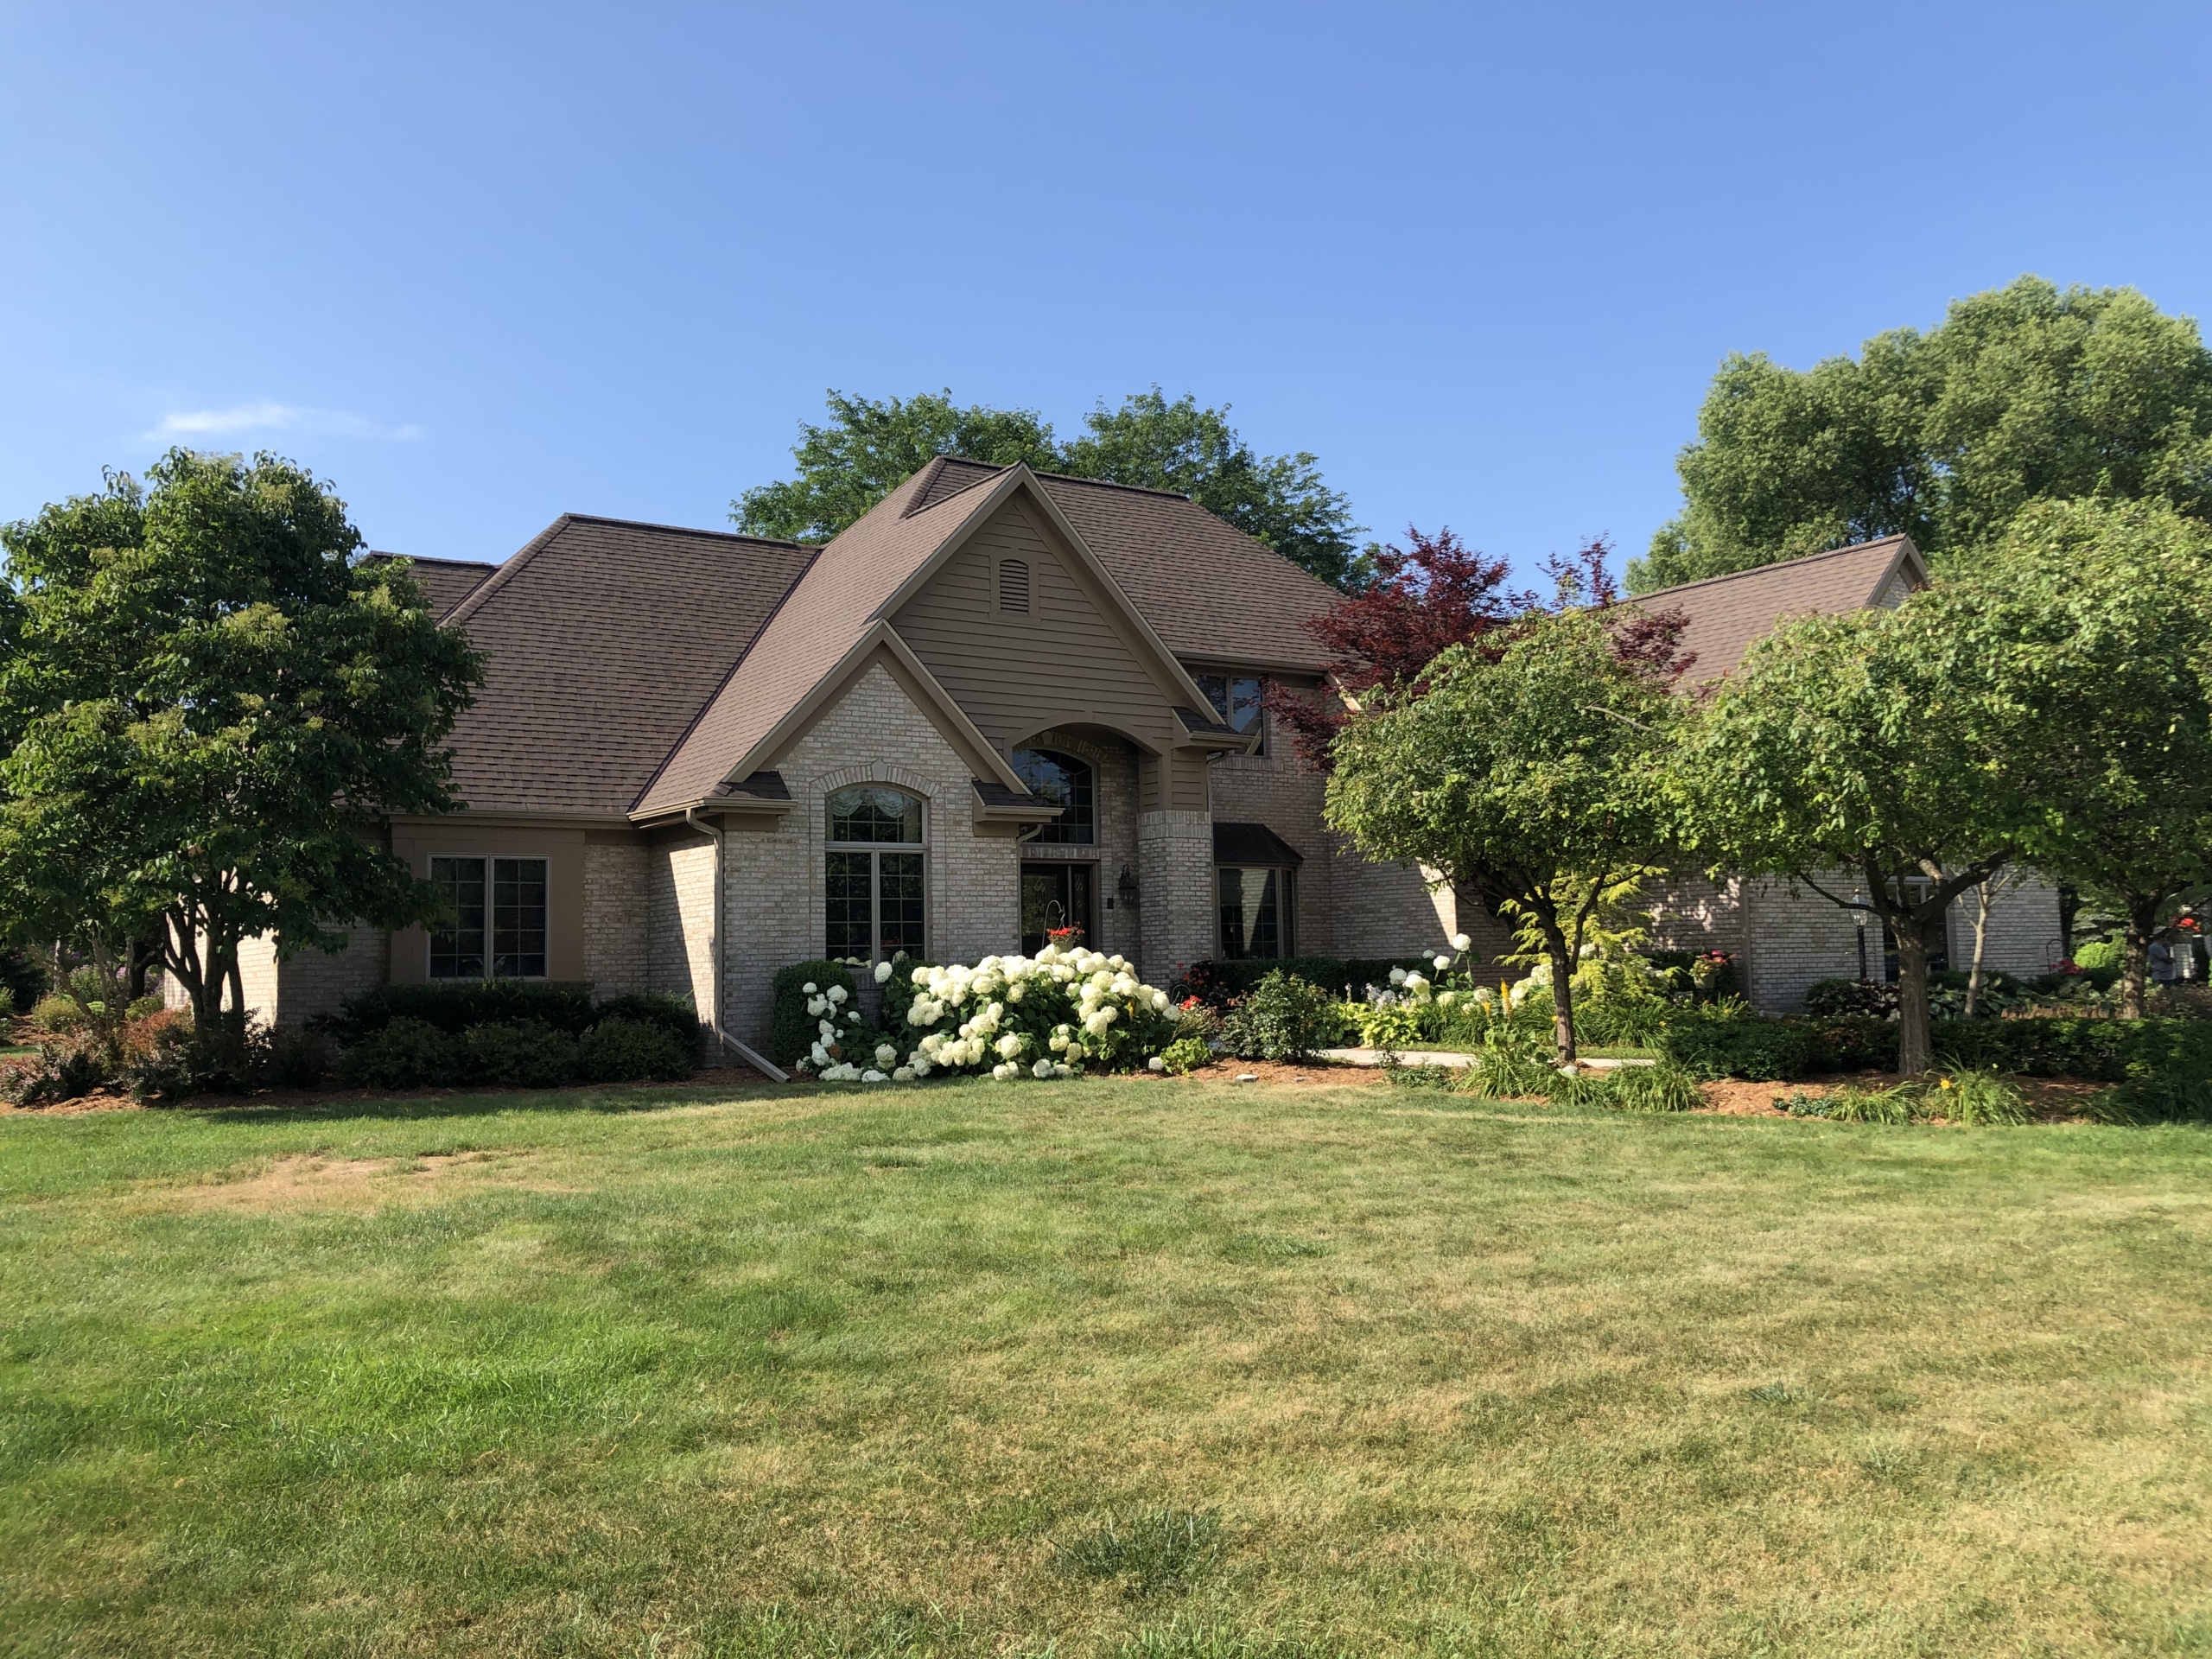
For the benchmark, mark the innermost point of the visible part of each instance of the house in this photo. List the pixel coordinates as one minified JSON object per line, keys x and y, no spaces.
{"x":999,"y":704}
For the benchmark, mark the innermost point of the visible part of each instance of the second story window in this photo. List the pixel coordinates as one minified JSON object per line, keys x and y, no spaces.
{"x":1065,"y":782}
{"x":1236,"y":699}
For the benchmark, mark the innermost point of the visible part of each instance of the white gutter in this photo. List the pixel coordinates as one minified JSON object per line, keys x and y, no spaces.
{"x":760,"y":1063}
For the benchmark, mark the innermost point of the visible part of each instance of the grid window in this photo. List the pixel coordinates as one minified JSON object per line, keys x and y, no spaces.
{"x":1236,"y":699}
{"x":1067,"y":783}
{"x":1255,"y":912}
{"x":494,"y":922}
{"x":874,"y":895}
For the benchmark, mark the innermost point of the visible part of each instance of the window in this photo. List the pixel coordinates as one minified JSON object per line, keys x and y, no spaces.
{"x":497,"y":911}
{"x":1066,"y":783}
{"x":874,"y":897}
{"x":1235,"y":698}
{"x":1255,"y":912}
{"x":1014,"y":586}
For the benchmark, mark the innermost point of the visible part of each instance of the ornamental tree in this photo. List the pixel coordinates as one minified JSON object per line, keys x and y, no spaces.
{"x":1883,"y":758}
{"x":1531,"y":776}
{"x":2104,"y":610}
{"x":210,"y":707}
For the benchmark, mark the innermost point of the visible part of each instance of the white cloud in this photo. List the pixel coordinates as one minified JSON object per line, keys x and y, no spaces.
{"x":276,"y":417}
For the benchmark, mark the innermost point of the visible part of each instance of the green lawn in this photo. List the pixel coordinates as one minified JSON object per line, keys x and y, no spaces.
{"x":1098,"y":1367}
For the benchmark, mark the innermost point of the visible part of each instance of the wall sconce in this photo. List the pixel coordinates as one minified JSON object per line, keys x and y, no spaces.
{"x":1126,"y":889}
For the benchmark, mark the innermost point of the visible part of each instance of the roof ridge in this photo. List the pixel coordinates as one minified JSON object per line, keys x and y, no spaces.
{"x":682,"y":529}
{"x":722,"y":684}
{"x":473,"y":601}
{"x":1772,"y":564}
{"x":1070,"y":477}
{"x":928,"y":475}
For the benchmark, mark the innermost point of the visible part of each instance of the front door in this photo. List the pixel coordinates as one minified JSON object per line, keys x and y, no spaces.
{"x":1054,"y":896}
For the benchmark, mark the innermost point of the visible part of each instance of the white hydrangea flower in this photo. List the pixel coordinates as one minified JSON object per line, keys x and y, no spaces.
{"x":873,"y":1075}
{"x":1062,"y":1071}
{"x":904,"y":1074}
{"x":886,"y":1055}
{"x":883,"y":973}
{"x":1397,"y":976}
{"x":837,"y":992}
{"x":1442,"y":962}
{"x":810,"y":988}
{"x":1043,"y":1068}
{"x":1009,"y":1045}
{"x":1460,"y":942}
{"x":1156,"y":1064}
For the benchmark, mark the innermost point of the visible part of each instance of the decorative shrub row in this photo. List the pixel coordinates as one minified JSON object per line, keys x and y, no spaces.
{"x":408,"y":1052}
{"x":1219,"y":983}
{"x":454,"y":1006}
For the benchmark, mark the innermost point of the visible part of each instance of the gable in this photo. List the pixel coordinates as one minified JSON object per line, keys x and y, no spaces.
{"x":1073,"y":658}
{"x":1724,"y":616}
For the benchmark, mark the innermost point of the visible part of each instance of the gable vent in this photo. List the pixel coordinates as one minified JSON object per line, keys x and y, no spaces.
{"x":1014,"y":586}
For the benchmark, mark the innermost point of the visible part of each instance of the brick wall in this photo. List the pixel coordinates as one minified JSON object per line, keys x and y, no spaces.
{"x":616,"y":927}
{"x":679,"y":918}
{"x":1793,"y":940}
{"x":313,"y":982}
{"x":2023,"y":935}
{"x":774,"y":876}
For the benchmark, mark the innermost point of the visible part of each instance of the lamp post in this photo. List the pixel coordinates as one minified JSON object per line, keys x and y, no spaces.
{"x":1858,"y":915}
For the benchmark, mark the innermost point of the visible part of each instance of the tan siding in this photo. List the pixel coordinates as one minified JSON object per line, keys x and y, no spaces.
{"x":1064,"y":663}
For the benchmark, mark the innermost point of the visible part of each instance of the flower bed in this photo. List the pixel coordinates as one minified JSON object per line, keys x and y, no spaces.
{"x":1055,"y":1014}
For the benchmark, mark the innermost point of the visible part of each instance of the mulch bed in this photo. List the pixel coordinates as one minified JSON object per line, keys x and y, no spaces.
{"x":2052,"y":1100}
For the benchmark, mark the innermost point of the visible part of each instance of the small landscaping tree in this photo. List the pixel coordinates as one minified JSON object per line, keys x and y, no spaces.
{"x":1531,"y":777}
{"x":1877,"y":752}
{"x":212,"y":708}
{"x":2105,"y":609}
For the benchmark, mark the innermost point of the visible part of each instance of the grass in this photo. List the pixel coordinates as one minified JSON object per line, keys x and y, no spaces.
{"x":1098,"y":1367}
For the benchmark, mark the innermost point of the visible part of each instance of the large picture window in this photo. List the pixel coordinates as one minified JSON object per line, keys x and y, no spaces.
{"x":1255,"y":912}
{"x":874,"y":899}
{"x":1067,"y":783}
{"x":495,"y":926}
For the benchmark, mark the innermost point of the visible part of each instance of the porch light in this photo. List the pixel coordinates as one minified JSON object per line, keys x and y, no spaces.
{"x":1126,"y":889}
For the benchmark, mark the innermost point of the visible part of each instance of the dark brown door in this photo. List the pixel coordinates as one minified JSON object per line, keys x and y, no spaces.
{"x":1054,"y":896}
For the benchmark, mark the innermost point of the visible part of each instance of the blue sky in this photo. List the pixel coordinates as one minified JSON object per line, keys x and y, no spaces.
{"x":480,"y":266}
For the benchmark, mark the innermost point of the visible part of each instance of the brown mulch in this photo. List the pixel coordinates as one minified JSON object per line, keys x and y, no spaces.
{"x":1328,"y":1074}
{"x":107,"y":1100}
{"x":2053,"y":1100}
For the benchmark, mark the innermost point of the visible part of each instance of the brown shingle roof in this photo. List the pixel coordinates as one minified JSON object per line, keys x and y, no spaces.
{"x":1726,"y":614}
{"x":821,"y":620}
{"x":1214,"y":594}
{"x":444,"y":583}
{"x":604,"y":639}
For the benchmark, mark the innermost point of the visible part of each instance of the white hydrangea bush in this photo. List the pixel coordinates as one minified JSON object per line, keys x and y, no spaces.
{"x":1056,"y":1015}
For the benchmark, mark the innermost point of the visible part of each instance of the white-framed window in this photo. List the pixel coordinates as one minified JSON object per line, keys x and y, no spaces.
{"x":1258,"y":910}
{"x":875,"y":893}
{"x":1235,"y":698}
{"x":494,"y":923}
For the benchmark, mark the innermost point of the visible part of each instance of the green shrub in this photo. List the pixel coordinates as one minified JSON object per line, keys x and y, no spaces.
{"x":1733,"y":1042}
{"x":1613,"y":1019}
{"x":61,"y":1072}
{"x":1222,"y":982}
{"x":2100,"y":953}
{"x":526,"y":1054}
{"x":1664,"y":1087}
{"x":1282,"y":1018}
{"x":1896,"y":1104}
{"x":631,"y":1050}
{"x":1389,"y":1026}
{"x":1512,"y":1061}
{"x":454,"y":1005}
{"x":672,"y":1014}
{"x":405,"y":1053}
{"x":296,"y":1058}
{"x":1419,"y":1076}
{"x":1848,"y":1042}
{"x":792,"y":1029}
{"x":1859,"y":996}
{"x":1977,"y":1098}
{"x":1186,"y":1054}
{"x":23,"y":981}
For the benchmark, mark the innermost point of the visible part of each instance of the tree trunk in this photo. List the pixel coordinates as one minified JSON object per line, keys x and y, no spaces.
{"x":1562,"y":990}
{"x":1980,"y":939}
{"x":1916,"y":1039}
{"x":2135,"y":963}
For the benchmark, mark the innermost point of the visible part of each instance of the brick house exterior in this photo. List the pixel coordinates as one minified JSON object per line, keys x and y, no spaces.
{"x":1034,"y":696}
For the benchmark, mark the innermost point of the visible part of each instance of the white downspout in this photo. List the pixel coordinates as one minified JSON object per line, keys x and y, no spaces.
{"x":760,"y":1063}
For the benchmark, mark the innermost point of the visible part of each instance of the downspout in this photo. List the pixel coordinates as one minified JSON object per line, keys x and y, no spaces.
{"x":760,"y":1063}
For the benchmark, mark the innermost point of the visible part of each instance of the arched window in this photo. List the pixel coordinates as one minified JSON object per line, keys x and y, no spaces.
{"x":874,"y":894}
{"x":1066,"y":782}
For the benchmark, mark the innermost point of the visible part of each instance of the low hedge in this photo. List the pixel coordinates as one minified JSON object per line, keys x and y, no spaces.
{"x":454,"y":1005}
{"x":1219,"y":983}
{"x":408,"y":1052}
{"x":790,"y":1028}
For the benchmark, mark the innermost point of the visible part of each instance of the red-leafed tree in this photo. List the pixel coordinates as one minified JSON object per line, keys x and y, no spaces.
{"x":1439,"y":593}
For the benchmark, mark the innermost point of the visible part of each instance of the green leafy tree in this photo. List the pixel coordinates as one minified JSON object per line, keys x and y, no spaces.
{"x":869,"y":447}
{"x":2022,"y":394}
{"x":213,"y":706}
{"x":1531,"y":778}
{"x":2103,"y":611}
{"x":1881,"y":759}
